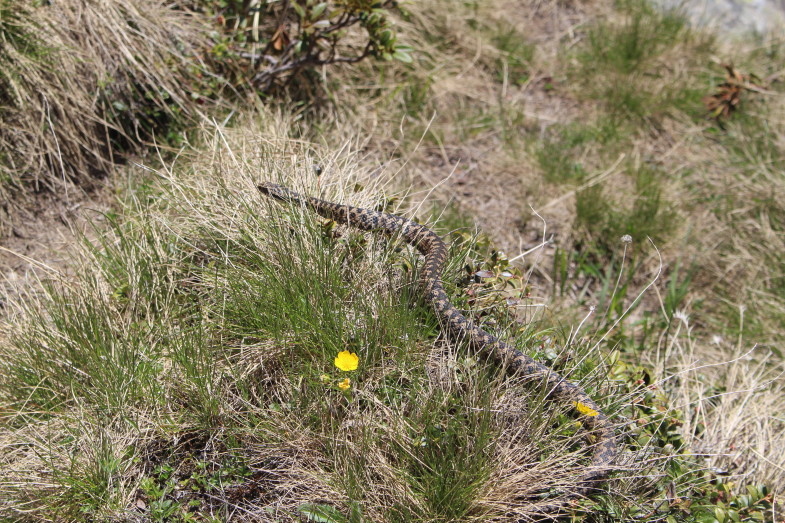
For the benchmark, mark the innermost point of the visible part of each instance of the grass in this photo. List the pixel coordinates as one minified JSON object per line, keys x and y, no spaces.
{"x":191,"y":315}
{"x":119,"y":80}
{"x":198,"y":353}
{"x":607,"y":219}
{"x":631,"y":62}
{"x":183,"y":369}
{"x":516,"y":56}
{"x":84,"y":89}
{"x":642,"y":35}
{"x":190,"y":329}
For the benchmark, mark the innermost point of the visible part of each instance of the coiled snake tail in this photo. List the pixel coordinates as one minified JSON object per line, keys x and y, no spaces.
{"x":460,"y":327}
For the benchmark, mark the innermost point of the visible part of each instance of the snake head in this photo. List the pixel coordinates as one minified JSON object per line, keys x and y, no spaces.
{"x":276,"y":191}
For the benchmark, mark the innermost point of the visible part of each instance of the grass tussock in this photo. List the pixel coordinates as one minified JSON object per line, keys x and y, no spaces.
{"x":731,"y":407}
{"x":84,"y":84}
{"x":641,"y":62}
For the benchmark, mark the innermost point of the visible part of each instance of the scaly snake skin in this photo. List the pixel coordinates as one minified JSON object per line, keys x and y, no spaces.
{"x":459,"y":327}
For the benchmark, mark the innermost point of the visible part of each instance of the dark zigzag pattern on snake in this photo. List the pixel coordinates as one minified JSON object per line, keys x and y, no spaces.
{"x":459,"y":327}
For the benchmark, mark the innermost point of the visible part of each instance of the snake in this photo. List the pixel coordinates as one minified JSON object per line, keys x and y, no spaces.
{"x":459,"y":327}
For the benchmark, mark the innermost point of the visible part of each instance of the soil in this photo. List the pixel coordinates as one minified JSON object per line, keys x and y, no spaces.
{"x":44,"y":238}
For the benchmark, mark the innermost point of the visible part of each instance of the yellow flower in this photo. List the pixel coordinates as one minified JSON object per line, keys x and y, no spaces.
{"x":584,"y":409}
{"x":347,"y":361}
{"x":345,"y":384}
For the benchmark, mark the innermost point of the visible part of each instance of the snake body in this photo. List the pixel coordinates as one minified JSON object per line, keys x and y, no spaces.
{"x":431,"y":246}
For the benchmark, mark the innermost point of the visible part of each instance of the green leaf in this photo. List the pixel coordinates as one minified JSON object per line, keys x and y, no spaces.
{"x":318,"y":10}
{"x":298,"y":9}
{"x":321,"y":513}
{"x":402,"y":56}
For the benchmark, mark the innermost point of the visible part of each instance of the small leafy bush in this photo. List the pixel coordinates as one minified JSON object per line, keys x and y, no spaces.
{"x":267,"y":45}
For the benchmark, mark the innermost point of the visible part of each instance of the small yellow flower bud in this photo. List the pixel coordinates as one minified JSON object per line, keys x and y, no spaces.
{"x":584,"y":409}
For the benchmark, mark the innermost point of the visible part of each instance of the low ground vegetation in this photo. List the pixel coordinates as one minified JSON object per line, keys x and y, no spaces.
{"x":184,"y":367}
{"x":85,"y":86}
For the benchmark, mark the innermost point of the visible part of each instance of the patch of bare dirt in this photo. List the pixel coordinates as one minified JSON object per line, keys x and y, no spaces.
{"x":44,"y":236}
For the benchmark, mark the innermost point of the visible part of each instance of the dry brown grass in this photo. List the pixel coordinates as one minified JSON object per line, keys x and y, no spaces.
{"x":365,"y":449}
{"x":731,"y":396}
{"x":75,"y":94}
{"x":64,"y":455}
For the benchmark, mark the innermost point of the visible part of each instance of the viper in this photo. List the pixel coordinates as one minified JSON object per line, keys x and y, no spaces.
{"x":459,"y":327}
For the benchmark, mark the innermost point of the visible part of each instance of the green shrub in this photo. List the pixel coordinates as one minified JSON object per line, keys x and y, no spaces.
{"x":268,"y":44}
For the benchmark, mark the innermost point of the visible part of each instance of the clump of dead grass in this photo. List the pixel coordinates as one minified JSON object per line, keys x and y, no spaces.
{"x":88,"y":83}
{"x":732,"y":408}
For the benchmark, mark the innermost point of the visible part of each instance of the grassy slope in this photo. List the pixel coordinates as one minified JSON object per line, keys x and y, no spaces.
{"x":83,"y":86}
{"x":190,"y":371}
{"x":598,"y":124}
